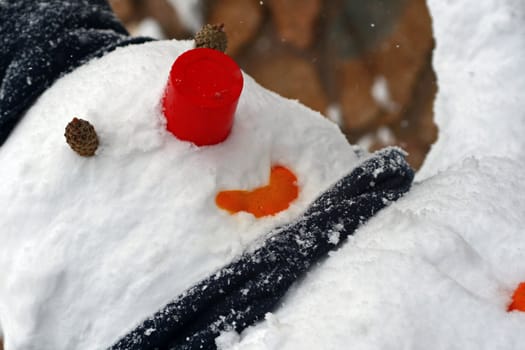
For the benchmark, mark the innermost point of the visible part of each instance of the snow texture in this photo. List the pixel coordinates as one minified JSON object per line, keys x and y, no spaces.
{"x":241,"y":293}
{"x":150,"y":28}
{"x":436,"y":269}
{"x":93,"y":246}
{"x":479,"y":59}
{"x":189,"y":13}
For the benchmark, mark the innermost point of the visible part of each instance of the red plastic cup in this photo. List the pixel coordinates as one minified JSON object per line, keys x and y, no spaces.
{"x":201,"y":97}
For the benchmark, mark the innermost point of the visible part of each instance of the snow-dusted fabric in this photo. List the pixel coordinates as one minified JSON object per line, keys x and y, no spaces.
{"x":43,"y":39}
{"x":242,"y":292}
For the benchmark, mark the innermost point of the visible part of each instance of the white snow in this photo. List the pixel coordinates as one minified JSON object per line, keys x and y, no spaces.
{"x":436,"y":269}
{"x":381,"y":94}
{"x":385,"y":135}
{"x":479,"y":61}
{"x":334,"y":113}
{"x":149,"y":27}
{"x":189,"y":13}
{"x":90,"y":246}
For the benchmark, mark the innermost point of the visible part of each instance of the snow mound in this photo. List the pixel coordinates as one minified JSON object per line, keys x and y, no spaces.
{"x":436,"y":269}
{"x":479,"y":60}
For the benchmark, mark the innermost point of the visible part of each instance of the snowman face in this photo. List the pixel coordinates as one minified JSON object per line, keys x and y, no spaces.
{"x":91,"y":246}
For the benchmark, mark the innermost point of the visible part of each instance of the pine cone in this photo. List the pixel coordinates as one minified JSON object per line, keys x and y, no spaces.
{"x":81,"y":137}
{"x":212,"y":37}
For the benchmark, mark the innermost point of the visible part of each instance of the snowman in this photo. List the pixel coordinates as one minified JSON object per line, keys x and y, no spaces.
{"x":184,"y":199}
{"x":156,"y":197}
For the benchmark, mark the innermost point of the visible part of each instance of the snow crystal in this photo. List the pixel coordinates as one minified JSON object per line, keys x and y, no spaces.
{"x":226,"y":340}
{"x":189,"y":13}
{"x":385,"y":135}
{"x":148,"y":27}
{"x":333,"y":237}
{"x":334,"y":113}
{"x":149,"y":331}
{"x":381,"y":94}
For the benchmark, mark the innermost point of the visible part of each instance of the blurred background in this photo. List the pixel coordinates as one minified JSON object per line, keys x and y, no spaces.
{"x":365,"y":65}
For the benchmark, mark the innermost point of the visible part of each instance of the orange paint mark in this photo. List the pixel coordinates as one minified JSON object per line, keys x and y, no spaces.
{"x":263,"y":201}
{"x":518,"y":299}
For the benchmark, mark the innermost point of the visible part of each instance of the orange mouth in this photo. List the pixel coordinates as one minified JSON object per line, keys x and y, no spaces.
{"x":518,"y":299}
{"x":263,"y":201}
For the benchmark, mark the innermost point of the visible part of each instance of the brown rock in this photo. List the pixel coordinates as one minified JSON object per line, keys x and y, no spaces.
{"x":166,"y":15}
{"x":292,"y":77}
{"x":131,"y":12}
{"x":403,"y":55}
{"x":427,"y":129}
{"x":125,"y":10}
{"x":241,"y":19}
{"x":295,"y":20}
{"x":357,"y":104}
{"x":402,"y":59}
{"x":416,"y":152}
{"x":418,"y":130}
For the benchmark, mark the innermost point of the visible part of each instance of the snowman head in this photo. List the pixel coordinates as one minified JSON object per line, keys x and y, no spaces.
{"x":93,"y":245}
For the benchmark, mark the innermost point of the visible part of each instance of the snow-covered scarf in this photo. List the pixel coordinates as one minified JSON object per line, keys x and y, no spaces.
{"x":42,"y":40}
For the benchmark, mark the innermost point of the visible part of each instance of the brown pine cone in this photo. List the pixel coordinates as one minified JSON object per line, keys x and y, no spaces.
{"x":81,"y":137}
{"x":212,"y":37}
